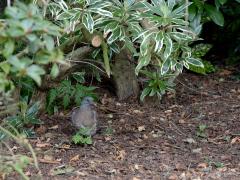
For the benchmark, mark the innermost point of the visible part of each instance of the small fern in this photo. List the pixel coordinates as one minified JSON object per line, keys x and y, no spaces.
{"x":65,"y":94}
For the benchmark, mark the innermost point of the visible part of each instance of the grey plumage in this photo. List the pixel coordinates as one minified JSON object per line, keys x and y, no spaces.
{"x":85,"y":116}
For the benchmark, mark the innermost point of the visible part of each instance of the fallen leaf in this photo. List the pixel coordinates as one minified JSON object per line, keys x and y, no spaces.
{"x":202,"y":165}
{"x":118,"y":104}
{"x":43,"y":145}
{"x":28,"y":173}
{"x":110,"y":116}
{"x":136,"y":111}
{"x":141,"y":128}
{"x":41,"y":130}
{"x":122,"y":120}
{"x":135,"y":178}
{"x":14,"y":148}
{"x":145,"y":136}
{"x":136,"y":166}
{"x":235,"y":140}
{"x":66,"y":146}
{"x":75,"y":158}
{"x":198,"y":150}
{"x":48,"y":157}
{"x":173,"y":177}
{"x":80,"y":173}
{"x":181,"y":121}
{"x":180,"y":167}
{"x":121,"y":155}
{"x":54,"y":127}
{"x":107,"y":138}
{"x":189,"y":140}
{"x":168,"y":111}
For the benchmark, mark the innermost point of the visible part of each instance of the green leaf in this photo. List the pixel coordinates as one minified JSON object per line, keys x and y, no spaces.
{"x":169,"y":46}
{"x":222,"y":2}
{"x":35,"y":72}
{"x":5,"y":66}
{"x":52,"y":95}
{"x":145,"y":92}
{"x":54,"y":71}
{"x":77,"y":139}
{"x":159,"y":42}
{"x":116,"y":34}
{"x":88,"y":22}
{"x":66,"y":101}
{"x":88,"y":140}
{"x":110,"y":27}
{"x":101,"y":12}
{"x":143,"y":61}
{"x":144,"y":47}
{"x":194,"y":62}
{"x":215,"y":14}
{"x":8,"y":48}
{"x":165,"y":66}
{"x":49,"y":42}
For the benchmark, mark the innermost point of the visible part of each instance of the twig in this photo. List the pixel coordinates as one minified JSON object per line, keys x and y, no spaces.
{"x":180,"y":132}
{"x":48,"y":162}
{"x":84,"y":62}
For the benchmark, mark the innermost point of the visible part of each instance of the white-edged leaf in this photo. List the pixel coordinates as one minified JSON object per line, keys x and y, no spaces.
{"x":180,"y":36}
{"x":159,"y":42}
{"x":88,"y":22}
{"x":145,"y":44}
{"x":110,"y":27}
{"x":165,"y":66}
{"x":141,"y":34}
{"x":169,"y":46}
{"x":194,"y":62}
{"x":101,"y":12}
{"x":116,"y":34}
{"x":143,"y":61}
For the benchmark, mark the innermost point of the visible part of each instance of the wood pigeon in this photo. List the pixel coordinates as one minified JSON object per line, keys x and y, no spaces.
{"x":85,"y":116}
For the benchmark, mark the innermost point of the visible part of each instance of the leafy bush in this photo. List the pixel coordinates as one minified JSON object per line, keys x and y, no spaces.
{"x":26,"y":45}
{"x":163,"y":43}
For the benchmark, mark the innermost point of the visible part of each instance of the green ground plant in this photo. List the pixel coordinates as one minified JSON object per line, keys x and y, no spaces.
{"x":82,"y":137}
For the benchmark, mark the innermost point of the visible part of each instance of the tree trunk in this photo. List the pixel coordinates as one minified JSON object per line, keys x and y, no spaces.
{"x":124,"y":78}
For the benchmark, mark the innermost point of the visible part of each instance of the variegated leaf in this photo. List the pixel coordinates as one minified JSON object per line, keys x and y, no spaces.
{"x":194,"y":62}
{"x":143,"y":61}
{"x":159,"y":42}
{"x":165,"y":66}
{"x":169,"y":46}
{"x":88,"y":22}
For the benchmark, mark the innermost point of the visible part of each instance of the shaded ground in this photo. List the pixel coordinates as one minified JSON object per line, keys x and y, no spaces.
{"x":148,"y":142}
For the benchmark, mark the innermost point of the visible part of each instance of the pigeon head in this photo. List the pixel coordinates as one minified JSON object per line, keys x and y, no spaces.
{"x":87,"y":101}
